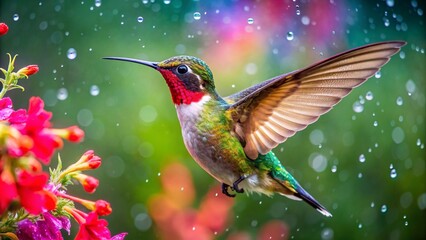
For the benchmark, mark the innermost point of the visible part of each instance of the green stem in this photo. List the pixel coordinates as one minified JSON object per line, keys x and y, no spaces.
{"x":3,"y":91}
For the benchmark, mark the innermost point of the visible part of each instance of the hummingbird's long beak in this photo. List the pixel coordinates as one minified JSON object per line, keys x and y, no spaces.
{"x":146,"y":63}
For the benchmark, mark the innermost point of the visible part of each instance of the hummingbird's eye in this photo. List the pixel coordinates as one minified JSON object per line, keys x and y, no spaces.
{"x":182,"y":69}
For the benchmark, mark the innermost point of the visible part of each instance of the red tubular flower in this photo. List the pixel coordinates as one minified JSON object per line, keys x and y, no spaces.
{"x":91,"y":227}
{"x":89,"y":183}
{"x":28,"y":70}
{"x":3,"y":29}
{"x":88,"y":161}
{"x":31,"y":193}
{"x":101,"y":207}
{"x":72,"y":134}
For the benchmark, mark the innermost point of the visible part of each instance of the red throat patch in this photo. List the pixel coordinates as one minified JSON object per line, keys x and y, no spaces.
{"x":180,"y":95}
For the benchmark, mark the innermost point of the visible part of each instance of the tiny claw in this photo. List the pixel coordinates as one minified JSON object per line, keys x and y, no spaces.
{"x":235,"y":185}
{"x":225,"y":190}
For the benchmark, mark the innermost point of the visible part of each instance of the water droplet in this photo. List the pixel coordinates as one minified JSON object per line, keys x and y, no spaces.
{"x":399,"y":101}
{"x":369,"y":96}
{"x":158,"y":174}
{"x":197,"y":15}
{"x":15,"y":17}
{"x":94,"y":90}
{"x":297,"y":12}
{"x":305,"y":20}
{"x":384,"y":208}
{"x":372,"y":204}
{"x":402,"y":54}
{"x":250,"y":20}
{"x":71,"y":53}
{"x":167,"y":1}
{"x":360,"y":225}
{"x":145,"y":1}
{"x":410,"y":86}
{"x":419,"y":142}
{"x":357,"y":107}
{"x":182,"y":188}
{"x":362,"y":158}
{"x":378,"y":74}
{"x":398,"y":135}
{"x":251,"y":68}
{"x":193,"y":228}
{"x":334,"y":168}
{"x":386,"y":22}
{"x":359,"y":175}
{"x":98,"y":3}
{"x":62,"y":94}
{"x":390,"y":3}
{"x":393,"y":173}
{"x":327,"y":233}
{"x":260,"y":202}
{"x":290,"y":36}
{"x":375,"y":123}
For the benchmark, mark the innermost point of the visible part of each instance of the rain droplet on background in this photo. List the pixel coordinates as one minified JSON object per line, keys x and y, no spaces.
{"x":290,"y":36}
{"x":369,"y":96}
{"x":398,"y":135}
{"x":390,"y":3}
{"x":15,"y":17}
{"x":197,"y":15}
{"x":378,"y":74}
{"x":167,"y":2}
{"x":250,"y":20}
{"x":384,"y":208}
{"x":94,"y":90}
{"x":98,"y":3}
{"x":362,"y":158}
{"x":140,"y":19}
{"x":399,"y":101}
{"x":357,"y":107}
{"x":410,"y":86}
{"x":62,"y":94}
{"x":393,"y":173}
{"x":71,"y":53}
{"x":327,"y":233}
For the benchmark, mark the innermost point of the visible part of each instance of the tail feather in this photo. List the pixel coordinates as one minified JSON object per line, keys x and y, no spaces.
{"x":305,"y":196}
{"x":296,"y":192}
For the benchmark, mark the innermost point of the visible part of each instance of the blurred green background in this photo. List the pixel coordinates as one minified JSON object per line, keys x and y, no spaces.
{"x":364,"y":160}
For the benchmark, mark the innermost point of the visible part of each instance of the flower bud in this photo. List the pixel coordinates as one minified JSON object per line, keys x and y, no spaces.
{"x":3,"y":29}
{"x":72,"y":134}
{"x":89,"y":183}
{"x":103,"y":208}
{"x":28,"y":70}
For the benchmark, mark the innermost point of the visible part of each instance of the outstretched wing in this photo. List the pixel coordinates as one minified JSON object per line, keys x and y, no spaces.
{"x":270,"y":112}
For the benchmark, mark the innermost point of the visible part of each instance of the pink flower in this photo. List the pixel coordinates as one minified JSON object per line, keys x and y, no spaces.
{"x":5,"y":108}
{"x":3,"y":29}
{"x":48,"y":227}
{"x":36,"y":125}
{"x":8,"y":188}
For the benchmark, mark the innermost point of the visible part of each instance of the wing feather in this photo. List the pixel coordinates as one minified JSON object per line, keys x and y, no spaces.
{"x":269,"y":113}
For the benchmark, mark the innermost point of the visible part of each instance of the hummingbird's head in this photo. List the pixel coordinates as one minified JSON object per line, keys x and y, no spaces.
{"x":188,"y":78}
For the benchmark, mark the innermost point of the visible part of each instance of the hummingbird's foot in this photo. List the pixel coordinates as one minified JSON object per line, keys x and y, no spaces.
{"x":235,"y":185}
{"x":225,"y":190}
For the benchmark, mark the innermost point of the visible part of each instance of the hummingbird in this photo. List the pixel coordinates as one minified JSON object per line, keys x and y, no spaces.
{"x":232,"y":137}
